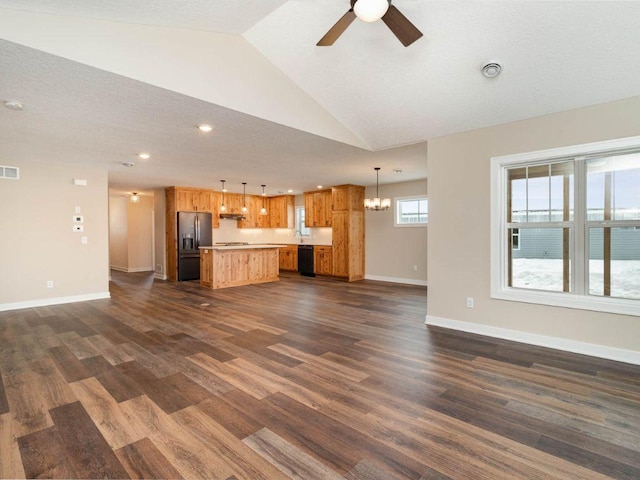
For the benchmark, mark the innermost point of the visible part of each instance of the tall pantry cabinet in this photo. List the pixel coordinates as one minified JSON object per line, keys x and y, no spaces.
{"x":348,"y":231}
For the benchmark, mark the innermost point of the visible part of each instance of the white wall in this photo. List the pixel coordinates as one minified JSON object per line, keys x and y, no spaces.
{"x":391,"y":252}
{"x":37,"y":241}
{"x":459,"y":214}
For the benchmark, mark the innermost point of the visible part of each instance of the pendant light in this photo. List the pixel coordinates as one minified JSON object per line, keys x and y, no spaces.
{"x":244,"y":203}
{"x":377,"y":204}
{"x":223,"y":208}
{"x":263,"y":210}
{"x":135,"y":198}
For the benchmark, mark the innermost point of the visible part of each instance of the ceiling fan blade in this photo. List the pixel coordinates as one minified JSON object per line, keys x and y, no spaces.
{"x":401,"y":27}
{"x":337,"y":30}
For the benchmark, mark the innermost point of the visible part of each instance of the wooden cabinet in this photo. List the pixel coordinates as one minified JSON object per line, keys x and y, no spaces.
{"x":185,"y":199}
{"x":323,"y":260}
{"x":252,"y":215}
{"x":233,"y":202}
{"x":318,"y":208}
{"x":348,"y":232}
{"x":289,"y":258}
{"x":282,"y":211}
{"x":193,"y":200}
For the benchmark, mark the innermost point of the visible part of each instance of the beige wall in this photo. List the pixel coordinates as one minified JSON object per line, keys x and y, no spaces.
{"x":160,"y":238}
{"x":458,"y":257}
{"x":131,"y":233}
{"x":37,"y":241}
{"x":391,"y":252}
{"x":118,"y":245}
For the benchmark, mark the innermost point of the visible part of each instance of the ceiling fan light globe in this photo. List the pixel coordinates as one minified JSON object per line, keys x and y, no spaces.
{"x":370,"y":10}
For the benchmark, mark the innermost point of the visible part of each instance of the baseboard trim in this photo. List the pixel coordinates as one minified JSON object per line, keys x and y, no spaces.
{"x":44,"y":302}
{"x":590,"y":349}
{"x":131,"y":270}
{"x":159,"y":276}
{"x":408,"y":281}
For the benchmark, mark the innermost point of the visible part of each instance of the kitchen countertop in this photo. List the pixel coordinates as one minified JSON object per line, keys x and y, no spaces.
{"x":240,"y":247}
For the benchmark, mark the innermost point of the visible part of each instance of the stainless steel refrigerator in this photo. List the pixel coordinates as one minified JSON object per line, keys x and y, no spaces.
{"x":194,"y":230}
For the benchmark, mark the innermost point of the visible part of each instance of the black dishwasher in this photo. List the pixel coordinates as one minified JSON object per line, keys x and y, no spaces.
{"x":305,"y":260}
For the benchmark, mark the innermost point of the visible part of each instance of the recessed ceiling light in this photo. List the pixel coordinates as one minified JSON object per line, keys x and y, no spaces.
{"x":128,"y":163}
{"x":13,"y":105}
{"x":492,"y":69}
{"x":144,"y":156}
{"x":397,"y":170}
{"x":319,"y":186}
{"x":290,"y":191}
{"x":203,"y":127}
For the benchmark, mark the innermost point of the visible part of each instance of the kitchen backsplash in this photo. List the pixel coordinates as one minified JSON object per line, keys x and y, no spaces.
{"x":229,"y":232}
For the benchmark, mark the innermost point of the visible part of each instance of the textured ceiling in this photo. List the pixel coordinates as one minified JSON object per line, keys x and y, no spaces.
{"x":102,"y":80}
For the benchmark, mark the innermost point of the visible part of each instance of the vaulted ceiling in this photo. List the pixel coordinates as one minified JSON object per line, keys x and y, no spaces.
{"x":104,"y":80}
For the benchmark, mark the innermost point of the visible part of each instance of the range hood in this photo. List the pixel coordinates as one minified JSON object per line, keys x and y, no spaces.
{"x":232,"y":216}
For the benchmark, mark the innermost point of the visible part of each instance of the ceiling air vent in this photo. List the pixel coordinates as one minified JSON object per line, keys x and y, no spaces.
{"x":12,"y":173}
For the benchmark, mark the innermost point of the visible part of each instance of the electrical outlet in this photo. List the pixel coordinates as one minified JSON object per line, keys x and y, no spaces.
{"x":49,"y":283}
{"x":415,"y":268}
{"x":469,"y":302}
{"x":84,"y":240}
{"x":159,"y":267}
{"x":78,"y":228}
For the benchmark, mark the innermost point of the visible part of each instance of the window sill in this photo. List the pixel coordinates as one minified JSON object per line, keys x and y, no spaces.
{"x":597,"y":304}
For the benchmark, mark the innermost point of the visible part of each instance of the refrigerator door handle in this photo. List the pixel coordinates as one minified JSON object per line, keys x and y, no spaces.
{"x":197,"y":231}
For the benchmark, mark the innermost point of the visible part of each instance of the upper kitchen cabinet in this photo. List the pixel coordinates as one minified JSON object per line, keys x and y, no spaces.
{"x":348,"y":231}
{"x":282,"y":211}
{"x":348,"y":197}
{"x":252,"y":215}
{"x":192,"y":199}
{"x":233,"y":202}
{"x":318,"y":208}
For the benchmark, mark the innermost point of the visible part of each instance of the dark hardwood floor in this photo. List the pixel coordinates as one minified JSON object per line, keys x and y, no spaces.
{"x":305,"y":378}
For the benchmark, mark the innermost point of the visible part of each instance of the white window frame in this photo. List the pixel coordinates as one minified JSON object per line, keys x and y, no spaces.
{"x":499,"y":244}
{"x":397,"y":200}
{"x":304,"y":231}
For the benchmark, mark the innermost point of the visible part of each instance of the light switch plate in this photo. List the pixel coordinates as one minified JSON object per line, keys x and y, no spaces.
{"x":78,"y":228}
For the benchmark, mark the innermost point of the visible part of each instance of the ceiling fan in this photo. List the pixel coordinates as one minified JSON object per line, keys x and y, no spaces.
{"x":370,"y":11}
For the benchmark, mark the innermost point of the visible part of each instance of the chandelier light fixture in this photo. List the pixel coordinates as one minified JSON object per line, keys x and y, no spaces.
{"x":135,"y":198}
{"x":223,"y":208}
{"x":263,"y":210}
{"x":377,"y":204}
{"x":244,"y":203}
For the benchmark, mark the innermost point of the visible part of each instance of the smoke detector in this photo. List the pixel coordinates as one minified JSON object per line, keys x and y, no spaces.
{"x":128,"y":163}
{"x":492,"y":70}
{"x":13,"y":104}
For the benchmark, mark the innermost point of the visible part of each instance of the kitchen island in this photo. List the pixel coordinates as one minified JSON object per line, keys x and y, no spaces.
{"x":223,"y":266}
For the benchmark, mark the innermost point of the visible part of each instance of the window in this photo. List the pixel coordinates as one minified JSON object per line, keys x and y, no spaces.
{"x":412,"y":211}
{"x":566,"y":227}
{"x":300,"y":226}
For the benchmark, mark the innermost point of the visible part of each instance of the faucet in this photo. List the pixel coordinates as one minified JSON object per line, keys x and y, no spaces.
{"x":300,"y":236}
